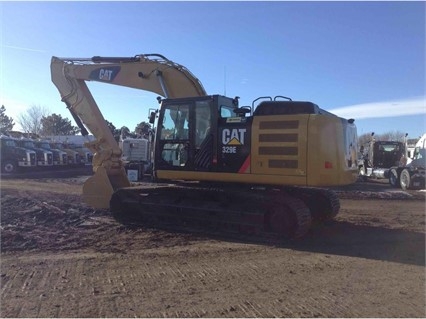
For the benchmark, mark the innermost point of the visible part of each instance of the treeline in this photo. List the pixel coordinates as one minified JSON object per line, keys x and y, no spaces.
{"x":389,"y":136}
{"x":38,"y":121}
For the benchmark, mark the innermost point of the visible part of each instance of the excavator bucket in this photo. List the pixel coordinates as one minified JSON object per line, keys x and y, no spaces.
{"x":98,"y":189}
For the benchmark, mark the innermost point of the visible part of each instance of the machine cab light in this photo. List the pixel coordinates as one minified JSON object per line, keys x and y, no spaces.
{"x":328,"y":164}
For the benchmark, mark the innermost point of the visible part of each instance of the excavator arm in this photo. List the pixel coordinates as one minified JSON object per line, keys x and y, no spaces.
{"x":150,"y":72}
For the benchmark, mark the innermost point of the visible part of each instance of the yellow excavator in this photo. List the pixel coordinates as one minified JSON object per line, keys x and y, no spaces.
{"x":259,"y":169}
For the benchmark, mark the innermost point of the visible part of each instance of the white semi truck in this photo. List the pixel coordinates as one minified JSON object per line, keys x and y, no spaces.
{"x":411,"y":175}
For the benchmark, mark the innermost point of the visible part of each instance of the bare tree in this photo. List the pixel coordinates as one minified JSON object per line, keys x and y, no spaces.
{"x":30,"y":121}
{"x":387,"y":136}
{"x":364,"y":138}
{"x":392,"y":136}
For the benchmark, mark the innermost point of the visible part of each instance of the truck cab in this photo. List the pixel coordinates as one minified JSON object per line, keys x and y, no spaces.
{"x":136,"y":155}
{"x":419,"y":157}
{"x":86,"y":155}
{"x":74,"y":157}
{"x":377,"y":157}
{"x":412,"y":174}
{"x":14,"y":157}
{"x":44,"y":157}
{"x":59,"y":157}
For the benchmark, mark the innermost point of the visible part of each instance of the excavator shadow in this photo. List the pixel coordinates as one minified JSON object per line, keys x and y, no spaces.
{"x":331,"y":238}
{"x":376,"y":243}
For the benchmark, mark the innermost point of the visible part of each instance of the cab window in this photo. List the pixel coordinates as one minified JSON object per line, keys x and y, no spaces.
{"x":227,"y":111}
{"x":175,"y":123}
{"x":203,"y":123}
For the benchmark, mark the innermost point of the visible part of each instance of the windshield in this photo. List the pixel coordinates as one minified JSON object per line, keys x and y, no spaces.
{"x":10,"y":143}
{"x":418,"y":153}
{"x":29,"y":144}
{"x":389,"y":147}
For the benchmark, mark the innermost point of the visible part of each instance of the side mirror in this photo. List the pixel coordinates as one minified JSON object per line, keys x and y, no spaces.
{"x":152,"y":118}
{"x":242,"y":111}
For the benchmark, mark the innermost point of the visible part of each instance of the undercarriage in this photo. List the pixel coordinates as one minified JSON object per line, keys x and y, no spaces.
{"x":286,"y":212}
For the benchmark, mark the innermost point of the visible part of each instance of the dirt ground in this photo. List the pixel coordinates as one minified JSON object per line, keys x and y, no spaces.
{"x":60,"y":258}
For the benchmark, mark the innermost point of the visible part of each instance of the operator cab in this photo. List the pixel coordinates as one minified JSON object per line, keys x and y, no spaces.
{"x":191,"y":131}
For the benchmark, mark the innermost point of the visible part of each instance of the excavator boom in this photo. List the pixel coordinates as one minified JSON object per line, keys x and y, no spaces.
{"x":150,"y":72}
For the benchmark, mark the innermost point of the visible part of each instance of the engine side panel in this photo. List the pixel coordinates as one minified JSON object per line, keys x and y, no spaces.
{"x":303,"y":149}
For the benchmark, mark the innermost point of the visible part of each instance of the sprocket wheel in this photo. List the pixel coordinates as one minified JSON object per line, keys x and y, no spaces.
{"x":289,"y":217}
{"x":324,"y":204}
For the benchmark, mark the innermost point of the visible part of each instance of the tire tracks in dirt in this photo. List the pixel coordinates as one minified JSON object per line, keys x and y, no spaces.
{"x":203,"y":282}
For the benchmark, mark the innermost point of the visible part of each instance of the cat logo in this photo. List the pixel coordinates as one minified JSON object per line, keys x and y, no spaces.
{"x":104,"y":74}
{"x":233,"y":136}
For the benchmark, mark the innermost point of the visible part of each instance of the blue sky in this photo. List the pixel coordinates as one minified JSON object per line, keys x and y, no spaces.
{"x":364,"y":60}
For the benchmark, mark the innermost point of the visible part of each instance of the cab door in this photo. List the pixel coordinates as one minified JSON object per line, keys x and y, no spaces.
{"x":186,"y":135}
{"x":173,"y":136}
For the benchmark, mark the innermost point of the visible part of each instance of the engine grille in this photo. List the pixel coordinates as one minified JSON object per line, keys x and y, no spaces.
{"x":279,"y":145}
{"x":32,"y":158}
